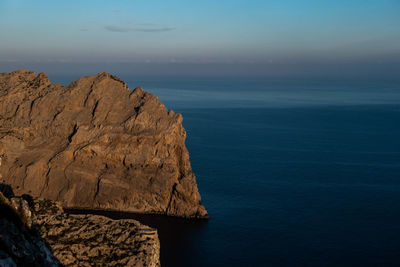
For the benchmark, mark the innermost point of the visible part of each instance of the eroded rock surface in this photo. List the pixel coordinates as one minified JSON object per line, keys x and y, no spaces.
{"x":21,"y":244}
{"x":94,"y":144}
{"x":92,"y":240}
{"x":37,"y":232}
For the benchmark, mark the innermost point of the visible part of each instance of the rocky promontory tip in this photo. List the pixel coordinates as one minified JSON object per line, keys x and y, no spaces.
{"x":94,"y":144}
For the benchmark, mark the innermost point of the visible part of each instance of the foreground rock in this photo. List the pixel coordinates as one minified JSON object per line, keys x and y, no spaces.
{"x":39,"y":233}
{"x":20,"y":243}
{"x":94,"y":144}
{"x":92,"y":240}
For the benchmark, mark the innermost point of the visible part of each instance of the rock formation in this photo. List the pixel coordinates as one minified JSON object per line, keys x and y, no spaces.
{"x":37,"y":232}
{"x":21,"y":244}
{"x":92,"y":240}
{"x":94,"y":144}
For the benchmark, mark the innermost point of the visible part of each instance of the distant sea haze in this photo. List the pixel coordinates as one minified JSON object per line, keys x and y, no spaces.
{"x":292,"y":173}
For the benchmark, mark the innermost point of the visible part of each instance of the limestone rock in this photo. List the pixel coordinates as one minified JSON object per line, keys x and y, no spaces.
{"x":21,"y":245}
{"x":55,"y":238}
{"x":92,"y":240}
{"x":94,"y":144}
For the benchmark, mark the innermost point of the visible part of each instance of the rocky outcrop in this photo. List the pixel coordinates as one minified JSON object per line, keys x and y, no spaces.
{"x":20,"y":243}
{"x":37,"y":232}
{"x":94,"y":144}
{"x":92,"y":240}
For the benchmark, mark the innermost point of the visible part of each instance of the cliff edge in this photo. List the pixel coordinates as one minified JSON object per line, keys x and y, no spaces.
{"x":94,"y":144}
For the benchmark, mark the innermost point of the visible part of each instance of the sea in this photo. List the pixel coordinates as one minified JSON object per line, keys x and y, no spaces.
{"x":293,"y":171}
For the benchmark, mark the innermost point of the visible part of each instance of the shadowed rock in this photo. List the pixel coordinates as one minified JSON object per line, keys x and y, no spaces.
{"x":20,"y":244}
{"x":94,"y":144}
{"x":6,"y":190}
{"x":30,"y":234}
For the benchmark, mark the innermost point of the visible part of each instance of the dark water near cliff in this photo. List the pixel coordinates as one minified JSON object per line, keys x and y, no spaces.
{"x":293,"y":173}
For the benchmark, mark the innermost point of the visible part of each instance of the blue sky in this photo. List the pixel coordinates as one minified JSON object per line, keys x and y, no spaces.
{"x":234,"y":32}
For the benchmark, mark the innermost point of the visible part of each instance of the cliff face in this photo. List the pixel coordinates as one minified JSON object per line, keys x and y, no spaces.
{"x":94,"y":144}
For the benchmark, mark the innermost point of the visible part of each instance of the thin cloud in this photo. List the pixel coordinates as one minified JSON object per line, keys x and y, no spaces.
{"x":116,"y":10}
{"x":146,"y":24}
{"x":84,"y":30}
{"x":165,"y":29}
{"x":114,"y":28}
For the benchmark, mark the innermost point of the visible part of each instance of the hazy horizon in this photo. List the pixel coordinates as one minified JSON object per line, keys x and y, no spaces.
{"x":272,"y":38}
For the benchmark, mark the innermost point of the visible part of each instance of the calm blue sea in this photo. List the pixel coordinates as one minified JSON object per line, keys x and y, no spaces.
{"x":292,"y":172}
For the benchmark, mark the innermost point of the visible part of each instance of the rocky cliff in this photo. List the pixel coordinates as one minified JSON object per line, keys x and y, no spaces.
{"x":92,"y":240}
{"x":37,"y":232}
{"x":94,"y":144}
{"x":20,"y":243}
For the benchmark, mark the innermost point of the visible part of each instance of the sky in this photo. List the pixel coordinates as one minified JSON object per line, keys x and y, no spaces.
{"x":209,"y":36}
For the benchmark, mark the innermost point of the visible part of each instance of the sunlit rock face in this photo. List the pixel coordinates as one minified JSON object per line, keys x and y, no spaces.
{"x":94,"y":144}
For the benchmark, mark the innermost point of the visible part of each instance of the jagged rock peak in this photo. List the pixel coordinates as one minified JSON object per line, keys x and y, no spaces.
{"x":22,"y":72}
{"x":94,"y":144}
